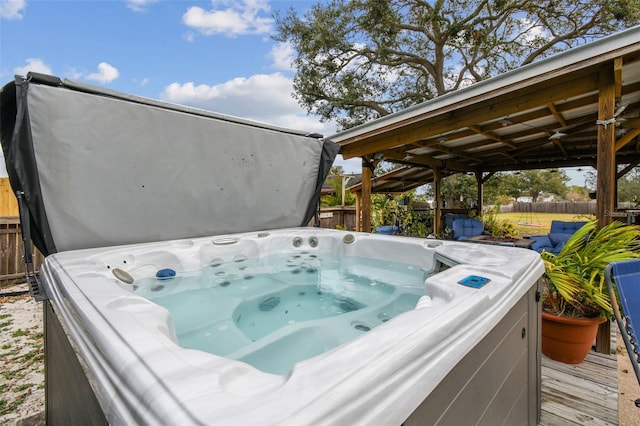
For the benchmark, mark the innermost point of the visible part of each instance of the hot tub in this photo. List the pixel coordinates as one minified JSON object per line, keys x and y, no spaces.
{"x":118,"y":191}
{"x":476,"y":348}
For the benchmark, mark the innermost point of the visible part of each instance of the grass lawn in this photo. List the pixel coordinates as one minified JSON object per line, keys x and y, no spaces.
{"x":538,"y":223}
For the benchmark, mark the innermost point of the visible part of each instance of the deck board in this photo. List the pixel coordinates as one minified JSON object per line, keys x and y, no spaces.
{"x":581,"y":394}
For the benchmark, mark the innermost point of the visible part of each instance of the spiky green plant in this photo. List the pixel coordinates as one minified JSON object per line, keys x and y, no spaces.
{"x":497,"y":227}
{"x":575,"y":276}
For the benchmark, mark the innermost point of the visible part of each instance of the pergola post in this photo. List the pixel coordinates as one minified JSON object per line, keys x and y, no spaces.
{"x":606,"y":170}
{"x":480,"y":185}
{"x":437,"y":189}
{"x":366,"y":195}
{"x":606,"y":173}
{"x":358,"y":211}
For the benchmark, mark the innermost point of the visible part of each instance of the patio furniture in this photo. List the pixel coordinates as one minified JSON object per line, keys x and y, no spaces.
{"x":512,"y":242}
{"x":388,"y":229}
{"x":556,"y":238}
{"x":465,"y":228}
{"x":449,"y":218}
{"x":625,"y":275}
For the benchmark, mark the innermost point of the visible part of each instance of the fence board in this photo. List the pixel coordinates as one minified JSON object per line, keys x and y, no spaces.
{"x":579,"y":208}
{"x":8,"y":201}
{"x":338,"y":217}
{"x":12,"y":250}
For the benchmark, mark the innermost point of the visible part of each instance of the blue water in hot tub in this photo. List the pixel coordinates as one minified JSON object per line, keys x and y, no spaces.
{"x":277,"y":310}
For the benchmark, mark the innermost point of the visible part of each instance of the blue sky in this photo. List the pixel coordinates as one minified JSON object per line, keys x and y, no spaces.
{"x":216,"y":55}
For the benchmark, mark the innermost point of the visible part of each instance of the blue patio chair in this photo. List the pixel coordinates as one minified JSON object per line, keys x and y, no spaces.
{"x":465,"y":228}
{"x":626,"y":276}
{"x":558,"y":235}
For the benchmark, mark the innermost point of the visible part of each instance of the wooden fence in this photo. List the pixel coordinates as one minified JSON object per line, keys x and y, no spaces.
{"x":338,"y":217}
{"x":579,"y":208}
{"x":8,"y":201}
{"x":12,"y":251}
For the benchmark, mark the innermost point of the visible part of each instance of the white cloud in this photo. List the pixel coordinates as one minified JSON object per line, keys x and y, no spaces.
{"x":35,"y":65}
{"x":106,"y":73}
{"x":237,"y":95}
{"x":262,"y":97}
{"x":73,"y":74}
{"x":282,"y":55}
{"x":189,"y":36}
{"x":139,"y":5}
{"x":231,"y":18}
{"x":530,"y":31}
{"x":12,"y":9}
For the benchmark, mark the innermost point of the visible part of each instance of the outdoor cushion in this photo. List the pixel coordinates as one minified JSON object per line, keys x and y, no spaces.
{"x":387,"y":229}
{"x":557,"y":238}
{"x":541,"y":242}
{"x":556,"y":249}
{"x":449,"y":218}
{"x":562,"y":227}
{"x":465,"y":228}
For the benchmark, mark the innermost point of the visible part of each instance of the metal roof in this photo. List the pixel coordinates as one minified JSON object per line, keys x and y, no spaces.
{"x":542,"y":115}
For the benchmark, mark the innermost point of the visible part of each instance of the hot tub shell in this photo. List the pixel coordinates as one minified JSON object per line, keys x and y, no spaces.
{"x":463,"y":356}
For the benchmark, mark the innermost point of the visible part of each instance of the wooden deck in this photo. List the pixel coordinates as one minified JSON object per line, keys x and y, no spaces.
{"x":585,"y":394}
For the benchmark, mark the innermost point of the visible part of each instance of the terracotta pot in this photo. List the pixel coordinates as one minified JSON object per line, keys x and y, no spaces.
{"x":568,"y":340}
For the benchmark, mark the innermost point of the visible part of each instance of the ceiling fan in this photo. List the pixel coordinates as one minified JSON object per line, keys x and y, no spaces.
{"x":556,"y":135}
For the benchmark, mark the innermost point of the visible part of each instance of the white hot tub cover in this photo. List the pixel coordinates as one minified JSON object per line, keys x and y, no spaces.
{"x":101,"y":168}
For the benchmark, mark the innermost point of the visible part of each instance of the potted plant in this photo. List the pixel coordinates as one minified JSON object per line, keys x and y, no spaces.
{"x":576,"y":299}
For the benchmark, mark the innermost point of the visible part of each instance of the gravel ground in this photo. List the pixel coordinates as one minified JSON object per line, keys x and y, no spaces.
{"x":628,"y":389}
{"x":22,"y":367}
{"x":21,"y":357}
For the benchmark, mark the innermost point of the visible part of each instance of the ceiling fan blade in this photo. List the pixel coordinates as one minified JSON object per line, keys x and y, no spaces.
{"x":557,"y":135}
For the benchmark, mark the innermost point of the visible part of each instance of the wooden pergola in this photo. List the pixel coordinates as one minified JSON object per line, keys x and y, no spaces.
{"x":579,"y":108}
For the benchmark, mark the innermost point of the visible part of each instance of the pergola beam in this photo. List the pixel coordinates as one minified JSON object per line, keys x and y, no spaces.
{"x":492,"y":136}
{"x":559,"y":118}
{"x":624,"y":140}
{"x":472,"y":112}
{"x":627,"y":169}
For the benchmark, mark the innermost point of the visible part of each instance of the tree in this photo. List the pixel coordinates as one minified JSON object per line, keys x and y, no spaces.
{"x":362,"y":59}
{"x":513,"y":185}
{"x":590,"y":180}
{"x":577,"y":193}
{"x":541,"y":182}
{"x":459,"y":190}
{"x":501,"y":188}
{"x":629,"y":187}
{"x":335,"y":179}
